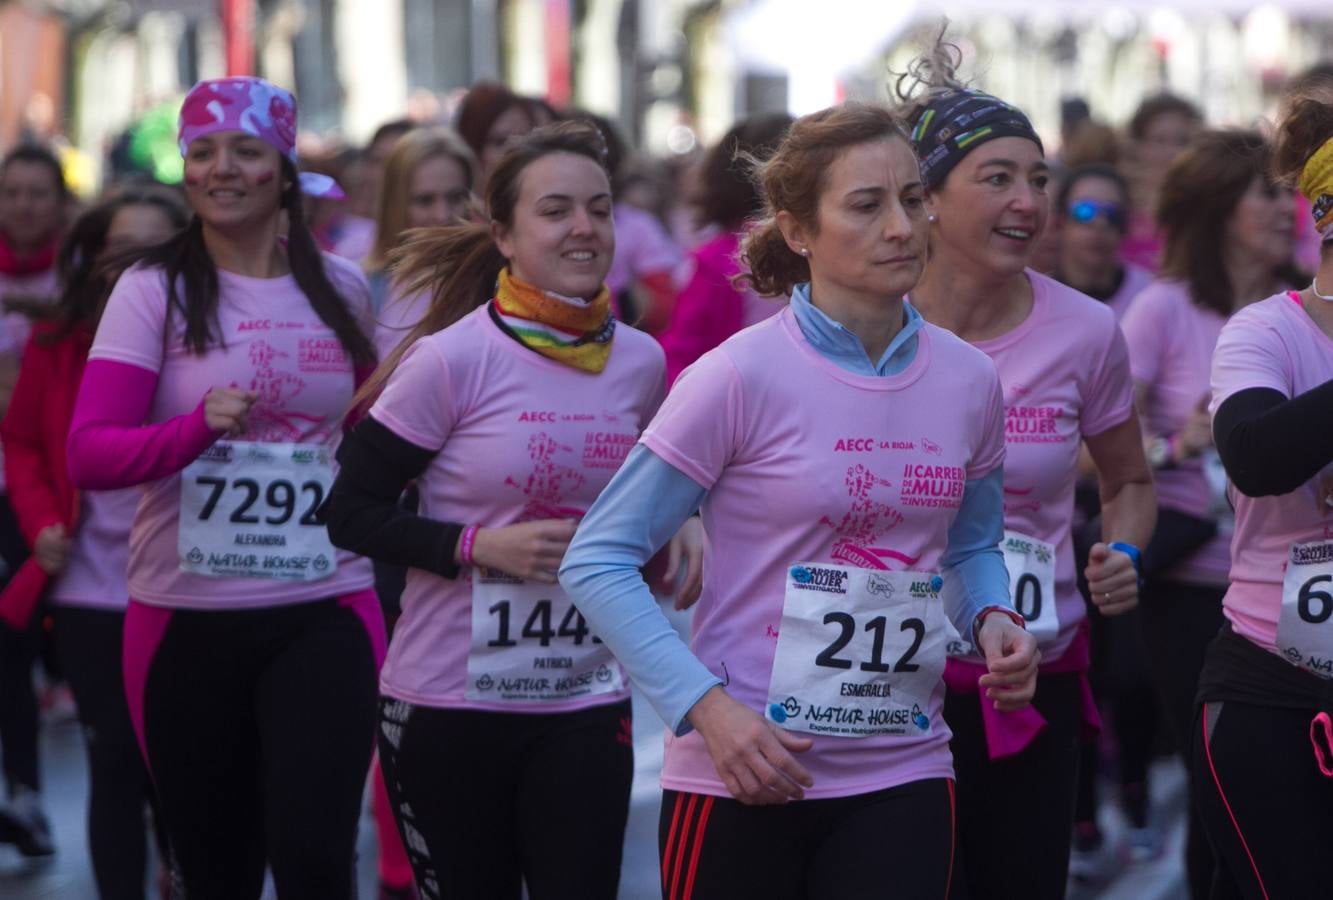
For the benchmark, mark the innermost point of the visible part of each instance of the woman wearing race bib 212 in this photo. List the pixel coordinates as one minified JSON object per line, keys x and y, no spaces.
{"x":846,"y":459}
{"x":219,"y":379}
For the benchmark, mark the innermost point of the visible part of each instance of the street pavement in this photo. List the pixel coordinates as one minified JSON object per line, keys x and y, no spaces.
{"x":68,"y":875}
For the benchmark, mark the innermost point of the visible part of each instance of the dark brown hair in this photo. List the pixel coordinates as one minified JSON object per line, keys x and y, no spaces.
{"x":484,"y":103}
{"x":85,"y":281}
{"x":1198,"y":198}
{"x":792,"y":180}
{"x":727,"y":194}
{"x":192,"y":278}
{"x":1307,"y":122}
{"x":1160,"y":105}
{"x":459,"y":264}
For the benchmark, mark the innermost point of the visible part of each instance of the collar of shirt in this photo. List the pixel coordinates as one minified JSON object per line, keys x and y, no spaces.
{"x":834,"y":342}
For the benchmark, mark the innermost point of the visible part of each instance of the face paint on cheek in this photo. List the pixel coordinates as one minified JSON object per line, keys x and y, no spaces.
{"x":191,"y":181}
{"x":266,"y":178}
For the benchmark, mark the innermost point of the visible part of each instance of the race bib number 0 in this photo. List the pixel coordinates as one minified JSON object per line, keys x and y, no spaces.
{"x":529,"y":643}
{"x":1305,"y":624}
{"x":1031,"y":565}
{"x":252,"y":510}
{"x":859,"y":653}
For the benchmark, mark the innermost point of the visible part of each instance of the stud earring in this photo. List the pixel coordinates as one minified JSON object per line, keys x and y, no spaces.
{"x":805,"y":251}
{"x":932,"y":218}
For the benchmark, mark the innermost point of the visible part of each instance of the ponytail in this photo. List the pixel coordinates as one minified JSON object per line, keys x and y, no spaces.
{"x":469,"y":261}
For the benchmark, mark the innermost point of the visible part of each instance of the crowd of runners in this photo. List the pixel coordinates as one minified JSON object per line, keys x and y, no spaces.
{"x":985,"y":469}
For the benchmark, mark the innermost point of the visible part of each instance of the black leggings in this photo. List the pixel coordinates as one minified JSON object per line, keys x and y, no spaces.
{"x":1263,"y":801}
{"x":258,"y":727}
{"x":89,"y":642}
{"x":1179,"y":622}
{"x":487,"y":802}
{"x":19,"y":649}
{"x":897,"y":842}
{"x":1015,"y":815}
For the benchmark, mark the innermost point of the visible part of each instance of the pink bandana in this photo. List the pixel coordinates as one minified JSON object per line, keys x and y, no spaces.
{"x":255,"y":106}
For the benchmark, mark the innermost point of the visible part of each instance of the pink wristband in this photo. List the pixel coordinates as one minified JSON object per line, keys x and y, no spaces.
{"x":465,"y":544}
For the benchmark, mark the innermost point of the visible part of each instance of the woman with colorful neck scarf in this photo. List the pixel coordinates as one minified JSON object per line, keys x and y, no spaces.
{"x":505,"y":731}
{"x":1065,"y":373}
{"x":1262,"y":748}
{"x":219,"y":380}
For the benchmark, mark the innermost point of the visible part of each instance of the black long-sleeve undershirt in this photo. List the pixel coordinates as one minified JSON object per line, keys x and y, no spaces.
{"x":1271,"y":445}
{"x":363,"y":512}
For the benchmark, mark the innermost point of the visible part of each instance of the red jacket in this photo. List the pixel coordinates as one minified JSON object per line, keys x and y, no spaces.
{"x":34,"y":432}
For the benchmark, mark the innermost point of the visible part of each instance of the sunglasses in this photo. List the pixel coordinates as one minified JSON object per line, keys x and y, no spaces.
{"x":1086,"y":211}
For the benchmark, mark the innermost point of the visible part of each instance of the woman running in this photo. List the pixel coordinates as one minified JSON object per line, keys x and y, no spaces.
{"x":1228,"y":230}
{"x":429,"y":180}
{"x":505,"y":730}
{"x":80,"y":541}
{"x":1065,"y":372}
{"x":1263,"y":745}
{"x":1090,"y":213}
{"x":219,"y":378}
{"x":846,"y":459}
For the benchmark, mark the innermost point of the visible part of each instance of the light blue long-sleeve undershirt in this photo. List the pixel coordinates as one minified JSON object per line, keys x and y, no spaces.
{"x":648,"y":500}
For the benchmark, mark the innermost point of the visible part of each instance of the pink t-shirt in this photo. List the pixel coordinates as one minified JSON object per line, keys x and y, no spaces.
{"x":1273,"y":344}
{"x":272,"y":343}
{"x":1066,"y":377}
{"x":99,"y":558}
{"x":398,"y":317}
{"x":642,"y":248}
{"x":806,"y":462}
{"x":1143,"y":244}
{"x":1136,"y":278}
{"x":1171,"y":340}
{"x":519,"y":437}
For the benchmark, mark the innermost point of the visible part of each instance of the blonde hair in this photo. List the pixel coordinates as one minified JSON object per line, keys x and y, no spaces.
{"x":413,"y":149}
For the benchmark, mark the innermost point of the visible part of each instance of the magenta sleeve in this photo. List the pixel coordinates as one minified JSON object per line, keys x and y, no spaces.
{"x":110,"y":446}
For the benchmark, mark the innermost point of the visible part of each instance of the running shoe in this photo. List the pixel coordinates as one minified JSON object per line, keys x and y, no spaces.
{"x":24,"y":824}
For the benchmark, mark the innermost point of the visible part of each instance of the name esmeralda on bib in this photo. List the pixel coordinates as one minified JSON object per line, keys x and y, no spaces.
{"x":251,"y":509}
{"x":859,"y":653}
{"x":531,"y":644}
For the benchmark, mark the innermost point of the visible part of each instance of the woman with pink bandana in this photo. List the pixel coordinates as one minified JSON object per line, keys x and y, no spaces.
{"x":218,"y":380}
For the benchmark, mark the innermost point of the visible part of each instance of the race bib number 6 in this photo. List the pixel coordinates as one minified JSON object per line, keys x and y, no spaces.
{"x":529,"y":643}
{"x":252,"y":510}
{"x":1305,"y":624}
{"x":859,"y":652}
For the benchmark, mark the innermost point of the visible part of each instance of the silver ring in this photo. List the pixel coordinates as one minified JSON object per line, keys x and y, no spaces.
{"x":1106,"y":596}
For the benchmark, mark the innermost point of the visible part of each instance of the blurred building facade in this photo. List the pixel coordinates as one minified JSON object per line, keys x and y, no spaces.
{"x":673,"y":72}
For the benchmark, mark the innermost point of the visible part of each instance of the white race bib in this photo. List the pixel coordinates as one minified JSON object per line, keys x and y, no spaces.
{"x":1031,"y":565}
{"x":1305,"y":624}
{"x":859,"y":652}
{"x":252,"y":510}
{"x":529,"y":643}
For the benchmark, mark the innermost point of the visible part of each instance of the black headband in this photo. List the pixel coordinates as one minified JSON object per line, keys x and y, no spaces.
{"x":953,"y":125}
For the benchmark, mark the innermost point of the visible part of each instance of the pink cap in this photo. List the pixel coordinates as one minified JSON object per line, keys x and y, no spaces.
{"x":255,"y":106}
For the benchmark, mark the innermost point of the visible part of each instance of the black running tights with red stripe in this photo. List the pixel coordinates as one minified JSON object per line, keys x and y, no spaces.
{"x":490,"y":802}
{"x":897,"y":842}
{"x":1264,"y":803}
